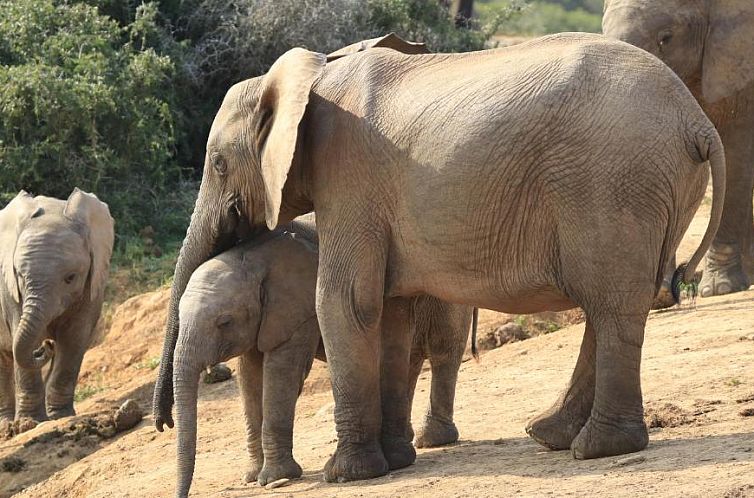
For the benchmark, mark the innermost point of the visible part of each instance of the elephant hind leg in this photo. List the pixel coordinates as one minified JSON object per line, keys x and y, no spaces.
{"x":616,"y":423}
{"x":7,"y":392}
{"x":559,"y":425}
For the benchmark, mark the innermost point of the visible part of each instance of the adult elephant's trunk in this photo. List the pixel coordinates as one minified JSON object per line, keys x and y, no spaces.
{"x":210,"y":232}
{"x":29,"y":350}
{"x":186,"y":383}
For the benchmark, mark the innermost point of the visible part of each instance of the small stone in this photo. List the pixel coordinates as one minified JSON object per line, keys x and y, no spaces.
{"x":631,"y":460}
{"x":747,"y":412}
{"x":128,"y":415}
{"x":278,"y":483}
{"x":217,"y":373}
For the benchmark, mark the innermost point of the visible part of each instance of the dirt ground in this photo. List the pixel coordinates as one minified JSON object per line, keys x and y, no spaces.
{"x":698,"y":384}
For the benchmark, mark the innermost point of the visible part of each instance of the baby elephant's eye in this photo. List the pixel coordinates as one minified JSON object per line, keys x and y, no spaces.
{"x":70,"y":278}
{"x":224,"y":321}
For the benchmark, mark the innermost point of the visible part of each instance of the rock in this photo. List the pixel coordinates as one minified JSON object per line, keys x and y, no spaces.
{"x":630,"y":460}
{"x":277,"y":484}
{"x":509,"y":332}
{"x":217,"y":373}
{"x":747,"y":412}
{"x":128,"y":415}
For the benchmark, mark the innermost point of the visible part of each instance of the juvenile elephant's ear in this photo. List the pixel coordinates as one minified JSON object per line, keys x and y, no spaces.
{"x":282,"y":102}
{"x":391,"y":41}
{"x":288,"y":294}
{"x":12,"y":217}
{"x":95,"y":215}
{"x":728,"y":64}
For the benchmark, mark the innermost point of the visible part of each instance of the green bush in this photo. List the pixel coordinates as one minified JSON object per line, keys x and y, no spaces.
{"x":543,"y":17}
{"x":83,"y":103}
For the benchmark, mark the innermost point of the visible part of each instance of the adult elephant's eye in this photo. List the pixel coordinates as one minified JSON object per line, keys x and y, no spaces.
{"x":69,"y":278}
{"x":220,"y":165}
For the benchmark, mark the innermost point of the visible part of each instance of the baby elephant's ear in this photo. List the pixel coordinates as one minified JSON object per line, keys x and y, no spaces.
{"x":12,"y":217}
{"x":391,"y":41}
{"x":288,"y":294}
{"x":95,"y":215}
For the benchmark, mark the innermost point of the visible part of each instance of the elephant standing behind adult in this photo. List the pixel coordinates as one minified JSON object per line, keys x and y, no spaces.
{"x":709,"y":44}
{"x":54,"y":261}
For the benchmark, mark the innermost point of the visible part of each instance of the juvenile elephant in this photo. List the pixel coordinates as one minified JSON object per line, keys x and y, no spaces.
{"x":54,"y":261}
{"x":708,"y":43}
{"x":257,"y":301}
{"x":557,"y":173}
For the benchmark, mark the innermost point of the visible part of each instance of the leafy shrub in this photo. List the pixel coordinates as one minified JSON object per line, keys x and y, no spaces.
{"x":84,"y":103}
{"x":544,"y":17}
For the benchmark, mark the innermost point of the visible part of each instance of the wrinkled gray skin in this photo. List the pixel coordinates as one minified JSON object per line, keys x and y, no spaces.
{"x":54,"y":260}
{"x":257,"y":301}
{"x":557,"y":173}
{"x":708,"y":43}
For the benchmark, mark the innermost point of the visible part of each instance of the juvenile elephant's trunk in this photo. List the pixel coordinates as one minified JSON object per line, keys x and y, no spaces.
{"x":29,"y":350}
{"x":186,"y":383}
{"x":212,"y":230}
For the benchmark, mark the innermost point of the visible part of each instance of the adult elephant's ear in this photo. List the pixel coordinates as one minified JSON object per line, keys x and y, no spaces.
{"x":282,"y":102}
{"x":12,"y":217}
{"x":95,"y":215}
{"x":391,"y":41}
{"x":728,"y":64}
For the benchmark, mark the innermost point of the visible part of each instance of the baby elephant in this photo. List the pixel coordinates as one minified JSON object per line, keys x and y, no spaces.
{"x":257,"y":301}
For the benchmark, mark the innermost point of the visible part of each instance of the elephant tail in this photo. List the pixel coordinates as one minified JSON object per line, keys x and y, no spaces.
{"x":474,"y":324}
{"x":707,"y":146}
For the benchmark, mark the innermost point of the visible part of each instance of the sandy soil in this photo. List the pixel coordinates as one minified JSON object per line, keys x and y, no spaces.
{"x":697,"y":380}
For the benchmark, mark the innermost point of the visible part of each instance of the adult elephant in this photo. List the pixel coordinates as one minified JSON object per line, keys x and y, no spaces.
{"x":708,"y":43}
{"x":557,"y":173}
{"x":54,"y":260}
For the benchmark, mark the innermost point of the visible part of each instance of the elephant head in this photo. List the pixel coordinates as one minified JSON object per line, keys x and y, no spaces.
{"x":53,"y":255}
{"x":252,"y":297}
{"x":250,"y":151}
{"x":707,"y":43}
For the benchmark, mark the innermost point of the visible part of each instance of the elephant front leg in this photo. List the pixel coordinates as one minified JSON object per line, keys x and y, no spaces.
{"x":616,"y":423}
{"x":349,"y":308}
{"x":64,"y":374}
{"x":285,"y":368}
{"x":30,"y":395}
{"x":250,"y":380}
{"x":724,"y":267}
{"x":557,"y":427}
{"x":394,"y":383}
{"x":7,"y":391}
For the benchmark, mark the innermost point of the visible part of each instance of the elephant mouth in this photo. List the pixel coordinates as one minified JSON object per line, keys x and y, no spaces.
{"x":46,"y":350}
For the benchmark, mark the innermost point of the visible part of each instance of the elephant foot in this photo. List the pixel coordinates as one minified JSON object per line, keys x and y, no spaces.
{"x":557,"y":427}
{"x":56,"y":413}
{"x":436,"y":433}
{"x":664,"y":298}
{"x":600,"y":439}
{"x":252,"y":474}
{"x":355,"y":462}
{"x":273,"y":471}
{"x":399,"y":452}
{"x":36,"y":415}
{"x":723,"y":272}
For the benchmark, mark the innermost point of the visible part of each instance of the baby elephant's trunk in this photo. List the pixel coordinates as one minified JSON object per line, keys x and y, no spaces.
{"x":186,"y":385}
